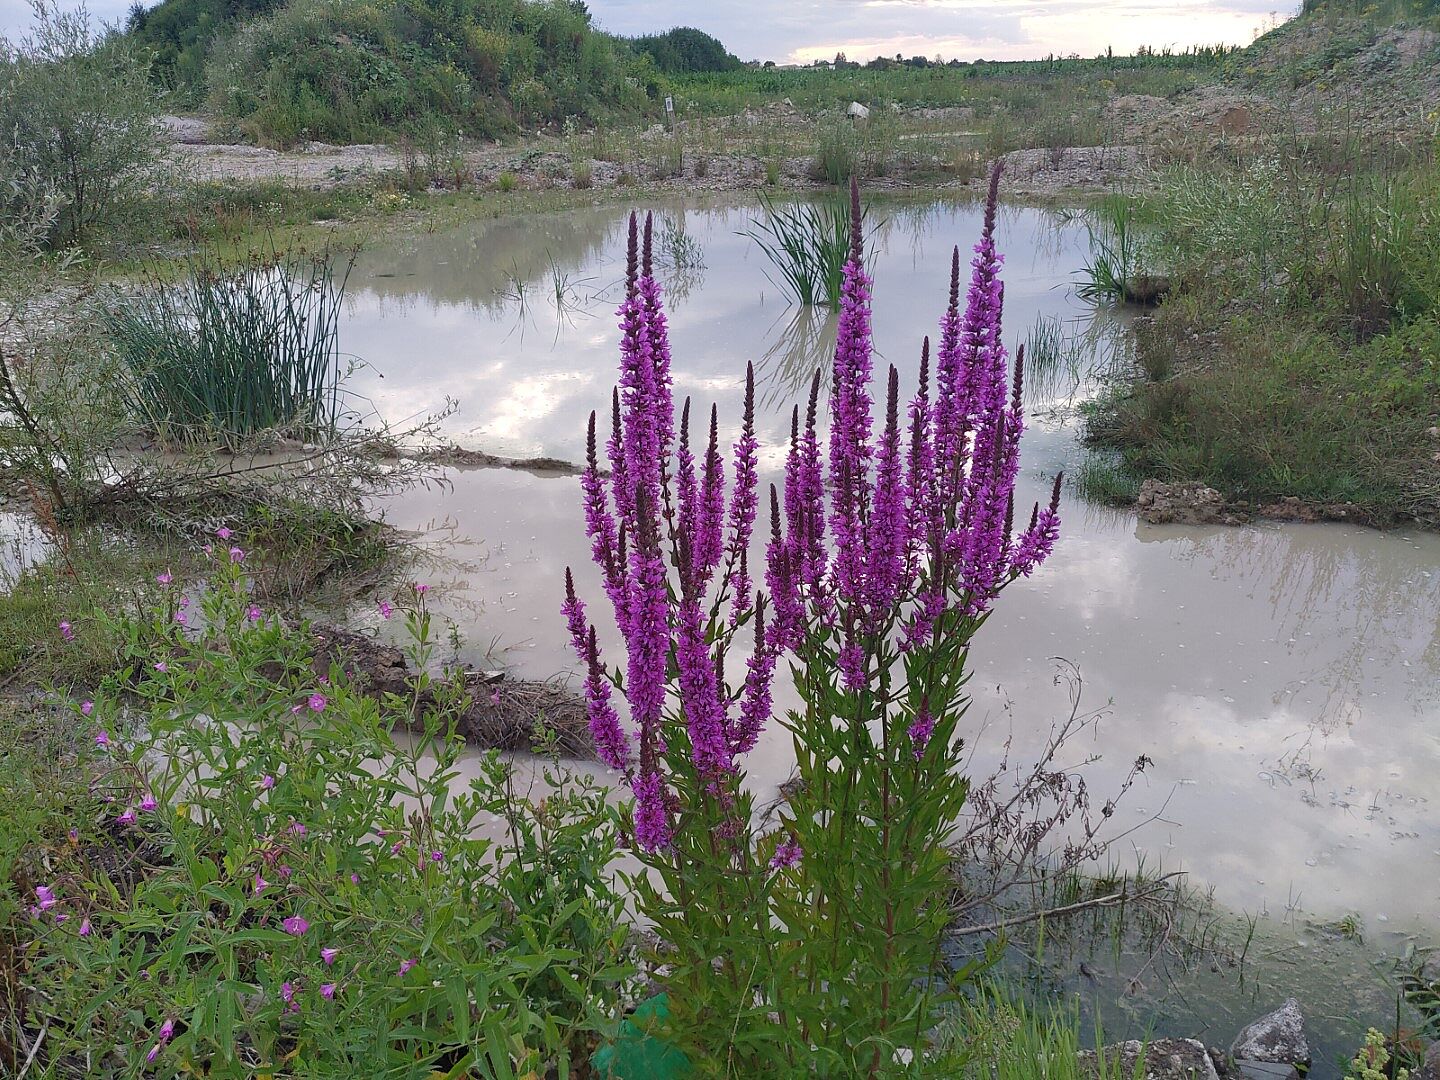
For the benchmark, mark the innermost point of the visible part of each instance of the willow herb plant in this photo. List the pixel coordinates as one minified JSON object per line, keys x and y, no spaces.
{"x":812,"y":947}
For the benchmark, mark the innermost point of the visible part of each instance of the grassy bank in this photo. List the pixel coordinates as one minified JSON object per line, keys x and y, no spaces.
{"x":1298,"y":353}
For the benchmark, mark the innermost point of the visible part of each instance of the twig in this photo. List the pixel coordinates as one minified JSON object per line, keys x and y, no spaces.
{"x":1109,"y":900}
{"x":33,"y":1051}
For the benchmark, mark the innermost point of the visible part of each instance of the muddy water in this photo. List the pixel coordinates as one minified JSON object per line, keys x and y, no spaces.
{"x":1283,"y":678}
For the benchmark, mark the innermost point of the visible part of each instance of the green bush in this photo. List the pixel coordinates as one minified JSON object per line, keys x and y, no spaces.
{"x":79,"y":128}
{"x":262,"y":878}
{"x":355,"y":72}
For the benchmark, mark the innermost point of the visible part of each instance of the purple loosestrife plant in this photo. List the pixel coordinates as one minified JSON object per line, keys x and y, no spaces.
{"x":886,"y":551}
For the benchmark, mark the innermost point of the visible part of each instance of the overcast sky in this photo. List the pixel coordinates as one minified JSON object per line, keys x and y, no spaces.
{"x":803,"y":30}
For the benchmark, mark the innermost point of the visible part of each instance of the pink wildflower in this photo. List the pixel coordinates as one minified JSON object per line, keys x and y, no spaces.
{"x":328,"y":954}
{"x":327,"y":991}
{"x":102,"y":738}
{"x":386,"y":610}
{"x":237,"y":555}
{"x":148,"y":804}
{"x":267,"y":782}
{"x":87,"y":707}
{"x":317,"y":703}
{"x":67,"y":632}
{"x":223,"y":533}
{"x":46,"y":896}
{"x":125,"y":818}
{"x":405,"y":966}
{"x":85,"y":926}
{"x":295,"y":925}
{"x":164,"y":579}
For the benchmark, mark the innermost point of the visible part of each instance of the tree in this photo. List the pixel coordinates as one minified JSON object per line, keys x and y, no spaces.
{"x":80,"y":122}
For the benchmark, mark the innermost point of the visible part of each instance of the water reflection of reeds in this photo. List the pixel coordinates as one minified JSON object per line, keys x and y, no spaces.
{"x":803,"y":339}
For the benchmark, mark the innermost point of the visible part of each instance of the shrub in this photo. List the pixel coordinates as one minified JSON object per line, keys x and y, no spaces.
{"x":265,"y":879}
{"x":80,"y":123}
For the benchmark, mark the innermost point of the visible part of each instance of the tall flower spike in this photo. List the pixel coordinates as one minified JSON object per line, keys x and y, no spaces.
{"x":889,"y":529}
{"x":612,"y":745}
{"x":710,"y":529}
{"x":850,"y":426}
{"x":743,"y":502}
{"x":755,"y":700}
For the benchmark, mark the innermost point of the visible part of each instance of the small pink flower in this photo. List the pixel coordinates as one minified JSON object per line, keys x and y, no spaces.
{"x":329,"y":954}
{"x":295,"y":925}
{"x":85,"y":926}
{"x":421,"y":589}
{"x":126,"y":818}
{"x":396,"y":846}
{"x":154,"y":1053}
{"x":386,"y":610}
{"x":67,"y":632}
{"x":495,"y":698}
{"x":184,"y":601}
{"x":162,"y":667}
{"x":323,"y":680}
{"x":180,"y":617}
{"x":354,"y":879}
{"x":87,"y":707}
{"x":298,"y":829}
{"x":261,"y":885}
{"x":405,"y":966}
{"x":285,"y":871}
{"x":296,"y":708}
{"x":223,"y":533}
{"x":102,"y":738}
{"x":164,"y":579}
{"x":46,"y":896}
{"x":327,"y":991}
{"x":74,"y":836}
{"x":148,"y":804}
{"x":253,"y":613}
{"x":208,"y":548}
{"x":317,"y":703}
{"x":267,"y":782}
{"x":437,"y":856}
{"x":237,"y":555}
{"x":60,"y":917}
{"x":787,"y":853}
{"x":167,"y":1029}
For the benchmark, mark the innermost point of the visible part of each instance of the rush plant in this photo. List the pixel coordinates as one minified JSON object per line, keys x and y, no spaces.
{"x":808,"y":946}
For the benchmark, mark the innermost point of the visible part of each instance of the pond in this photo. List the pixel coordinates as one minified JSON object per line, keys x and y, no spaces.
{"x":1284,"y":678}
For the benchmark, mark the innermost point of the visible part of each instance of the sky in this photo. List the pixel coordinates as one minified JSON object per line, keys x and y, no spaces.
{"x":798,"y":31}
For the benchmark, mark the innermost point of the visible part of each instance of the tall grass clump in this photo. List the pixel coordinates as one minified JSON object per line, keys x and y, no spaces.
{"x":807,"y":244}
{"x":808,"y":942}
{"x":1118,"y":267}
{"x":230,"y":353}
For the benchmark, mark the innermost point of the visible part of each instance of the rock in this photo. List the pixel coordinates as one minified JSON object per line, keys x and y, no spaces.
{"x":1264,"y":1070}
{"x":1431,"y":1069}
{"x":1190,"y":503}
{"x":1165,"y":1059}
{"x":1146,"y":289}
{"x":1278,"y":1038}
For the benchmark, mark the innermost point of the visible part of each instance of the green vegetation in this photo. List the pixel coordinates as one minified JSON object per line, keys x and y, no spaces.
{"x":807,"y":244}
{"x":231,"y":352}
{"x":1300,"y":355}
{"x":346,"y":72}
{"x":79,"y":130}
{"x":685,"y":50}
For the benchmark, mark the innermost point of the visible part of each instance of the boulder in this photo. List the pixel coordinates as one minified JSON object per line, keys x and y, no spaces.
{"x":1278,"y":1038}
{"x":1165,"y":1059}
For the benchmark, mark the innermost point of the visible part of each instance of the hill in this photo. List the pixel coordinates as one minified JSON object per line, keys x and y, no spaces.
{"x":347,"y":71}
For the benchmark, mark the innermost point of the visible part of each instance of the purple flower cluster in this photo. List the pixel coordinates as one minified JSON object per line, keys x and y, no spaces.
{"x":672,"y":551}
{"x":909,"y":531}
{"x":921,"y":520}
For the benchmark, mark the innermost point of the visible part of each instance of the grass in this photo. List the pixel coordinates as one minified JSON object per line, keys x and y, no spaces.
{"x":1299,"y":355}
{"x":231,"y":352}
{"x":807,"y":244}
